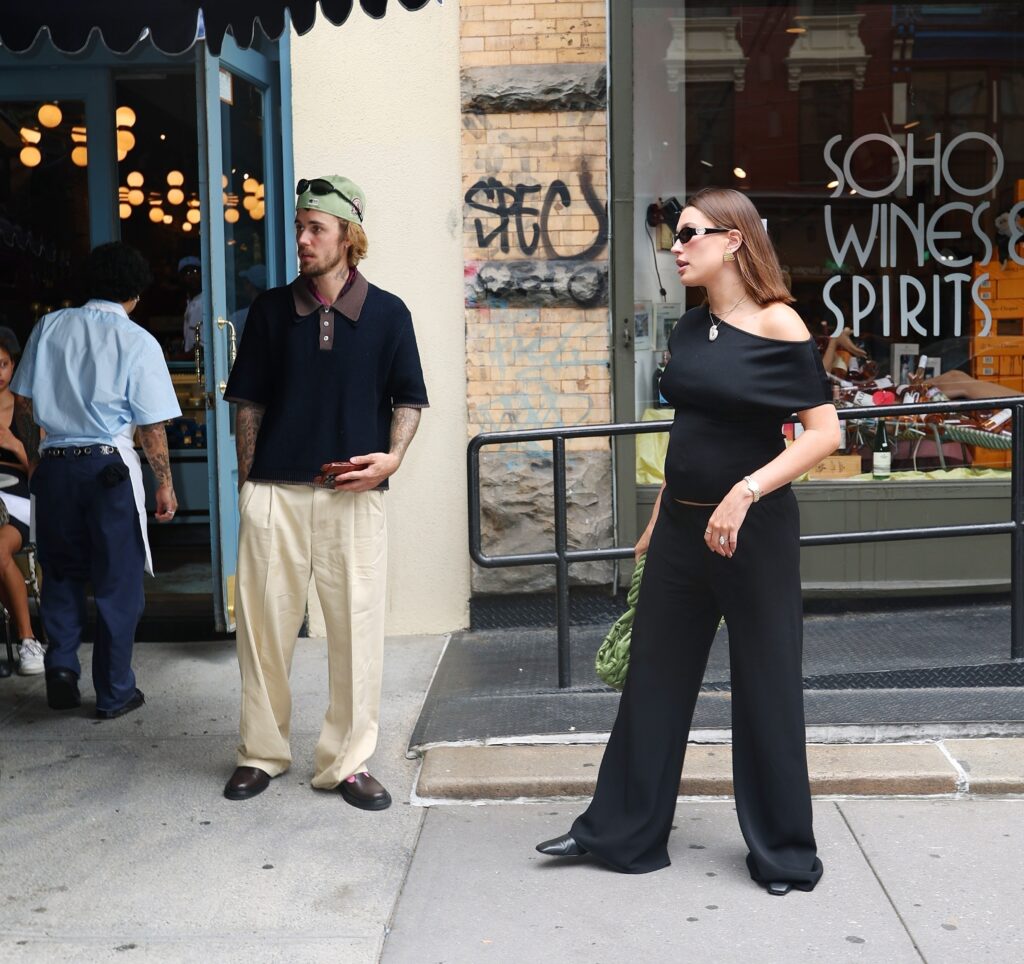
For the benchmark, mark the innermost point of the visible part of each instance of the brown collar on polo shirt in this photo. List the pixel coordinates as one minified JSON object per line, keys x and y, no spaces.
{"x":349,"y":305}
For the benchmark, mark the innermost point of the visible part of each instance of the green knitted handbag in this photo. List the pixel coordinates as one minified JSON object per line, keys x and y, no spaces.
{"x":612,"y":660}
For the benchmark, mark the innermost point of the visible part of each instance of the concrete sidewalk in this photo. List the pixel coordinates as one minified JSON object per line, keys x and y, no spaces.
{"x":117,"y":845}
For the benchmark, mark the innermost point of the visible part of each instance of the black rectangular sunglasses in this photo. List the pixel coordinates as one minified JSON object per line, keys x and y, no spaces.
{"x":688,"y":233}
{"x":320,"y":187}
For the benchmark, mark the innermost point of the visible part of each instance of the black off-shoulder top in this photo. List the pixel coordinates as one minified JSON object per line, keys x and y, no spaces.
{"x":730,"y":397}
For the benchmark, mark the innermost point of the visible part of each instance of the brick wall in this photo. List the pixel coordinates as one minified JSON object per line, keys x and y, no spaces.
{"x":535,"y":227}
{"x":535,"y":185}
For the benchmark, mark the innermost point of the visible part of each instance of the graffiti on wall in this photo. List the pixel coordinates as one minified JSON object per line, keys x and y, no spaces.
{"x":515,"y":204}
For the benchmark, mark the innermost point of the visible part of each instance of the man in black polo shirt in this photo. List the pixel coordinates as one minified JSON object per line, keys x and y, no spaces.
{"x":327,"y":372}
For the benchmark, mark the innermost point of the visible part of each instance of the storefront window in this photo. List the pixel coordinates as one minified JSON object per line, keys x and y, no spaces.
{"x":158,"y":194}
{"x":884,"y":146}
{"x":44,"y":209}
{"x":244,"y":182}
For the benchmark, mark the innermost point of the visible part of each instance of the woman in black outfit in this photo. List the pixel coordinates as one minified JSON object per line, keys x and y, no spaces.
{"x":723,"y":541}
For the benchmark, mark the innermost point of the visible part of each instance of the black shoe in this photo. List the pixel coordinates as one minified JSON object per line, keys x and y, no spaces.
{"x":133,"y":704}
{"x":779,"y":888}
{"x":365,"y":792}
{"x":246,"y":782}
{"x":564,"y":846}
{"x":62,"y":689}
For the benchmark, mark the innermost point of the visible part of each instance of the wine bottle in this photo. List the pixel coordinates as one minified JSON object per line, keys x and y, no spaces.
{"x":837,"y":401}
{"x":881,"y":453}
{"x":997,"y":421}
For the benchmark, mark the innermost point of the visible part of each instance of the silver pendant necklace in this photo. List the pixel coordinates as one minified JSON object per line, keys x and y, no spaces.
{"x":716,"y":320}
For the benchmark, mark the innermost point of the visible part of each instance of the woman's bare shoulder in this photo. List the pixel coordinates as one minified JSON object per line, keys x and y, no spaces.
{"x":782,"y":322}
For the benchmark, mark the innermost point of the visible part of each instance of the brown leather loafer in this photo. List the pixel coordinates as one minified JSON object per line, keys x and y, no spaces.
{"x":246,"y":782}
{"x":365,"y":792}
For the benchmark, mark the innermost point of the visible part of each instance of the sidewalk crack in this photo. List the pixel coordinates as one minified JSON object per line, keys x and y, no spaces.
{"x":389,"y":923}
{"x":885,"y":890}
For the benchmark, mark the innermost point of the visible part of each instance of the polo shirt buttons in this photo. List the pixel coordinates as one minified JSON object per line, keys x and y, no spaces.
{"x":326,"y":338}
{"x":327,"y":324}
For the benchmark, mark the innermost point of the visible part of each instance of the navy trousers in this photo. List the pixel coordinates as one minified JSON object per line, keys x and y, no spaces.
{"x":686,"y":589}
{"x":87,"y":531}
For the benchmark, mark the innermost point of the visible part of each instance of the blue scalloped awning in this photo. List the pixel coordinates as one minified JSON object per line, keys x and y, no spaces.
{"x":173,"y":26}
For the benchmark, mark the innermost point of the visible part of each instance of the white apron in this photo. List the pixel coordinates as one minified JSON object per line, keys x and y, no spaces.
{"x":126,"y":446}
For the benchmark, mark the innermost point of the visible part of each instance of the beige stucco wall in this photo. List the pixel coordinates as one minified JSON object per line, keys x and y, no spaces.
{"x":379,"y":102}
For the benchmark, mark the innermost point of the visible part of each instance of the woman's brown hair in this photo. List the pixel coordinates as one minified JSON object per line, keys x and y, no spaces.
{"x":756,"y":257}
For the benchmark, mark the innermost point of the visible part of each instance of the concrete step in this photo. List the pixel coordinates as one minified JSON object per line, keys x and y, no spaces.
{"x":949,"y":767}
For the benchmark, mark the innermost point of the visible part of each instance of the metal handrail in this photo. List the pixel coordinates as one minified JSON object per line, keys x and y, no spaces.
{"x":562,"y":556}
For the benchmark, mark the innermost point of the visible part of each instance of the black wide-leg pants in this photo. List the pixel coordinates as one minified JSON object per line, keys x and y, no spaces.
{"x":686,"y":588}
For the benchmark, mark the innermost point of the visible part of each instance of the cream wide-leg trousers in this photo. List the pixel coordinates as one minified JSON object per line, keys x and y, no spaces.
{"x":287,"y":534}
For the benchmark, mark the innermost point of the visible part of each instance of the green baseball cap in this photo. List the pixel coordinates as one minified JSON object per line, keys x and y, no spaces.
{"x":332,"y":194}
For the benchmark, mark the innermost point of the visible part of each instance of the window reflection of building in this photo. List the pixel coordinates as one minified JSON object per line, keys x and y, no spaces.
{"x":158,"y":185}
{"x":826,"y":110}
{"x":757,"y":97}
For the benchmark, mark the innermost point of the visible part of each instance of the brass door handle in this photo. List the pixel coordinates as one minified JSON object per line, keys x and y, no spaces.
{"x":223,"y":323}
{"x":198,"y":329}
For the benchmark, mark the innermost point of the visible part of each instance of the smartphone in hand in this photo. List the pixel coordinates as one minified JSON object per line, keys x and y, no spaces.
{"x":331,"y":470}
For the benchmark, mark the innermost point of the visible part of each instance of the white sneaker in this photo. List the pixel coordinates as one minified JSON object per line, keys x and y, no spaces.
{"x":31,"y":658}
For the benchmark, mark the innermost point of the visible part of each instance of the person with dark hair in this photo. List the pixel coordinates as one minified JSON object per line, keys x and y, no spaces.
{"x":117,"y":273}
{"x":190,"y":274}
{"x":723,"y":540}
{"x":14,"y":514}
{"x":89,"y":377}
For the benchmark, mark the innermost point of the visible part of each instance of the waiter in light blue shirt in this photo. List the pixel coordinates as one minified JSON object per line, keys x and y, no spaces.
{"x":90,"y":377}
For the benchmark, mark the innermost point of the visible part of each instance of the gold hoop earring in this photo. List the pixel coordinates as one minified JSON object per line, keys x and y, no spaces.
{"x":728,"y":256}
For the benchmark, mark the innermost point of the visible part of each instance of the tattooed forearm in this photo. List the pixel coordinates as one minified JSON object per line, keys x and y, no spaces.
{"x":247,"y":427}
{"x":28,"y":431}
{"x":404,"y":422}
{"x":154,"y":444}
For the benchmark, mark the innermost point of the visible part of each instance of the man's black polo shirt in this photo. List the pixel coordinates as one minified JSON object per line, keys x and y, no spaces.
{"x":329,"y":377}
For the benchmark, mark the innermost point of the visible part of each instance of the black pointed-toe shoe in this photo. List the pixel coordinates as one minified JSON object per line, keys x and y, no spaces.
{"x":779,"y":888}
{"x":564,"y":846}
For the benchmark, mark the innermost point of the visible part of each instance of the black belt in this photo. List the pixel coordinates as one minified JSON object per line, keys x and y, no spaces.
{"x":78,"y":450}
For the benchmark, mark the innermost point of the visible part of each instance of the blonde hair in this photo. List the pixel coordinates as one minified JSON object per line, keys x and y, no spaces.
{"x":756,"y":258}
{"x":360,"y":244}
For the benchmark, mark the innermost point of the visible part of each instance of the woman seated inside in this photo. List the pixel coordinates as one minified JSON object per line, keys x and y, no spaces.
{"x":15,"y":513}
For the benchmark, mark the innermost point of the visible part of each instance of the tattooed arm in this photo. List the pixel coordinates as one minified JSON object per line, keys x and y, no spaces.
{"x":154,"y":444}
{"x":28,"y":431}
{"x":404,"y":422}
{"x":374,"y":468}
{"x":247,"y":427}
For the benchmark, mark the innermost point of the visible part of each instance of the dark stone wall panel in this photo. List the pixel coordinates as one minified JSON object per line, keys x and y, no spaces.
{"x":517,"y":514}
{"x":534,"y":87}
{"x":543,"y":284}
